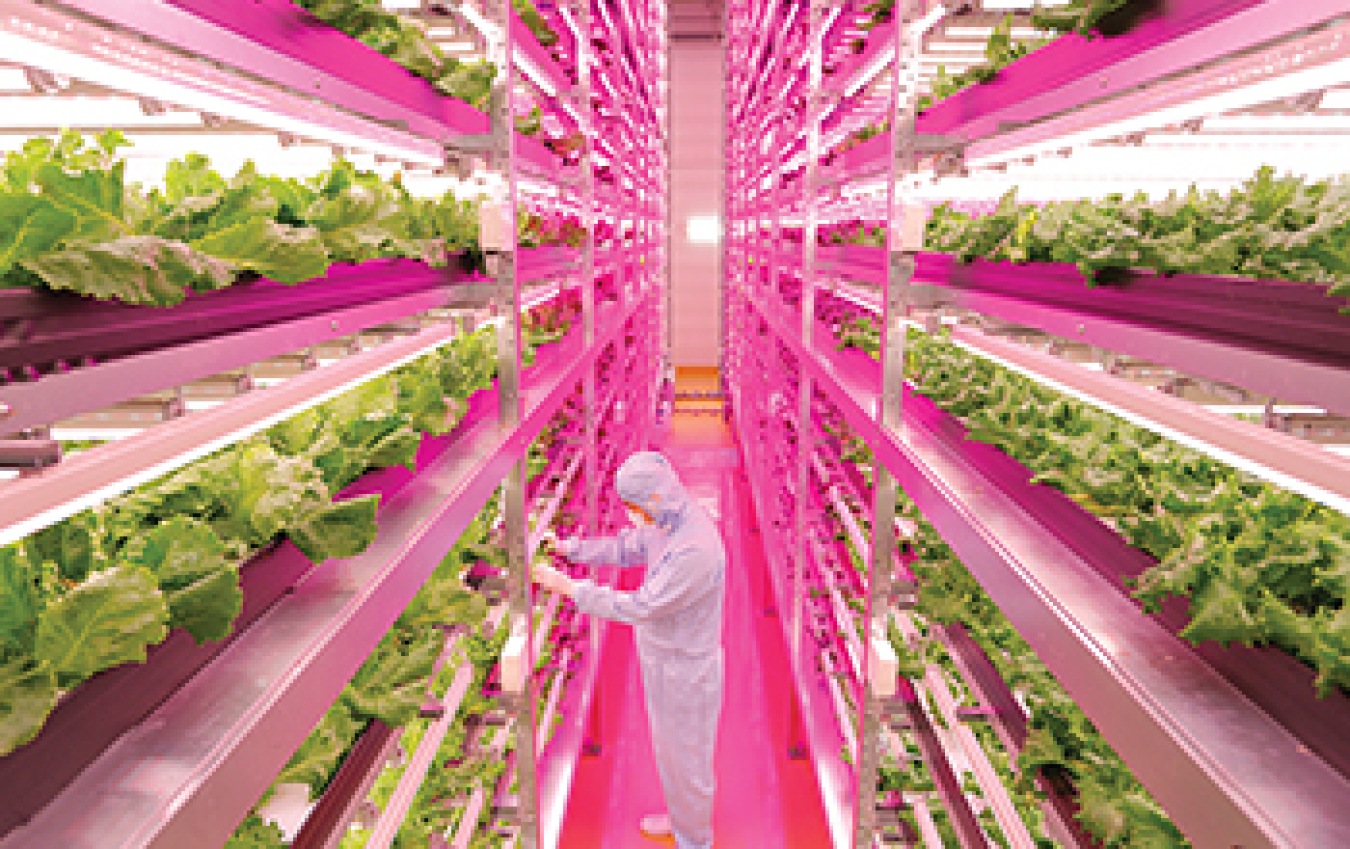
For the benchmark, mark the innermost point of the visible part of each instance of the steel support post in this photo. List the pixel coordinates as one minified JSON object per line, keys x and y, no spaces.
{"x":590,"y":514}
{"x":730,"y":187}
{"x":519,"y":582}
{"x":805,"y":425}
{"x":728,"y":162}
{"x":904,"y":104}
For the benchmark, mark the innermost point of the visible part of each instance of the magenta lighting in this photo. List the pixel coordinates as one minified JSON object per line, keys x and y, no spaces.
{"x":569,"y":424}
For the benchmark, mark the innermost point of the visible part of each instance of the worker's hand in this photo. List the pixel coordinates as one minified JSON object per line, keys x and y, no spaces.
{"x":551,"y":543}
{"x":554,"y":580}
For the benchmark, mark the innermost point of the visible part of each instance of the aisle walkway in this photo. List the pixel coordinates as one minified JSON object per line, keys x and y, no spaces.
{"x":764,"y":800}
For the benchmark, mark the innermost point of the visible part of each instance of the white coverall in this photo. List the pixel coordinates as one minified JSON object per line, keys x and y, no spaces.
{"x":677,"y":620}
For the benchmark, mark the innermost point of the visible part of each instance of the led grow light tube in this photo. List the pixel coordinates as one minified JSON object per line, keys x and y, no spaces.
{"x":81,"y":111}
{"x":19,"y":48}
{"x":14,"y":80}
{"x":82,"y":482}
{"x":1140,"y":115}
{"x":566,"y":14}
{"x":488,"y":29}
{"x":1331,"y":498}
{"x":536,"y":75}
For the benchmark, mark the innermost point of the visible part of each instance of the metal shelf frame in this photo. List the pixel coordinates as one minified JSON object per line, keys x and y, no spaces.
{"x":1225,"y":755}
{"x":189,"y":772}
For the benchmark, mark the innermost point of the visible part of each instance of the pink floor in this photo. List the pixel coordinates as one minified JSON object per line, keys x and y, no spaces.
{"x":764,"y":800}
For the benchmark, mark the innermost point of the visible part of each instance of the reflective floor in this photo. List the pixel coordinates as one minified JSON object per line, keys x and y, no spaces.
{"x":764,"y":799}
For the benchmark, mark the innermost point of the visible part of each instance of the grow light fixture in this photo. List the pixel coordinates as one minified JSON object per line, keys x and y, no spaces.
{"x":1282,"y":72}
{"x":1277,"y":124}
{"x":80,"y":112}
{"x":566,"y":14}
{"x":82,"y":56}
{"x":886,"y":55}
{"x":537,"y":76}
{"x":974,"y":48}
{"x":14,"y":80}
{"x":483,"y":25}
{"x":1336,"y":98}
{"x":983,"y":33}
{"x":1018,"y":5}
{"x":874,"y":67}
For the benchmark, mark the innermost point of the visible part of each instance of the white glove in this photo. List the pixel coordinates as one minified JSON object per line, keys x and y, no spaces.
{"x":553,"y":580}
{"x":565,"y":547}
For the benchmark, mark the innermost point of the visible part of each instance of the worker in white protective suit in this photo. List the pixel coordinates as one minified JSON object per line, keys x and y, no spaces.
{"x":677,"y":618}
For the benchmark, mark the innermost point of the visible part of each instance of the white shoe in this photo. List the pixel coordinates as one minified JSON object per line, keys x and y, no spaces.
{"x":656,"y":825}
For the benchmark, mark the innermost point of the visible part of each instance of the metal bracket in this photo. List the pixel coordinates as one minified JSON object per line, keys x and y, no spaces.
{"x":904,"y":595}
{"x":471,"y":143}
{"x":896,"y":714}
{"x":975,"y":713}
{"x":431,"y":709}
{"x":29,"y":454}
{"x":930,"y":143}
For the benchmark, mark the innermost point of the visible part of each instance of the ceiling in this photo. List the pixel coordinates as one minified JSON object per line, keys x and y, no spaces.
{"x":696,"y":20}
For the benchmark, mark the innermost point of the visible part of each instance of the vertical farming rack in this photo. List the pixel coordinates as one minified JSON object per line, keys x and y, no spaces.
{"x":454,"y":416}
{"x":986,"y":428}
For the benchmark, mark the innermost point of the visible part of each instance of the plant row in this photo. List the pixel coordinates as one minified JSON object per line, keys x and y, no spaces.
{"x":916,"y":659}
{"x":96,"y":590}
{"x":463,"y":764}
{"x":1281,"y":228}
{"x":1257,"y":563}
{"x":402,"y":665}
{"x":1276,"y":228}
{"x":1088,"y":18}
{"x":69,"y":221}
{"x":1112,"y":805}
{"x":1063,"y":743}
{"x":411,"y":48}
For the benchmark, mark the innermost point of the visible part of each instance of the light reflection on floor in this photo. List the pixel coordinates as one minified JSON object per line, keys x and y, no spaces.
{"x":764,"y":800}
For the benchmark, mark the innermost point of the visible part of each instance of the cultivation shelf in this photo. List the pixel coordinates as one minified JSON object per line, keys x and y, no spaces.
{"x":1187,"y":731}
{"x":1274,"y":335}
{"x":91,"y":477}
{"x":67,"y":355}
{"x":245,"y":64}
{"x":231,"y":728}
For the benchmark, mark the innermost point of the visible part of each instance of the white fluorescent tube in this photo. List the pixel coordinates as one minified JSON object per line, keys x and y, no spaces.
{"x":879,"y":61}
{"x":79,"y":111}
{"x":973,"y":47}
{"x":571,"y":22}
{"x":45,"y":56}
{"x":15,"y":80}
{"x":1276,"y":88}
{"x":1292,"y":124}
{"x":1336,"y":98}
{"x":1011,"y":5}
{"x":537,"y":76}
{"x":483,"y":25}
{"x":985,"y":32}
{"x":930,"y":20}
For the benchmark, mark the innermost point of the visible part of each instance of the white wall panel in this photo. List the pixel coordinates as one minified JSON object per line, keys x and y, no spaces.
{"x":696,"y":118}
